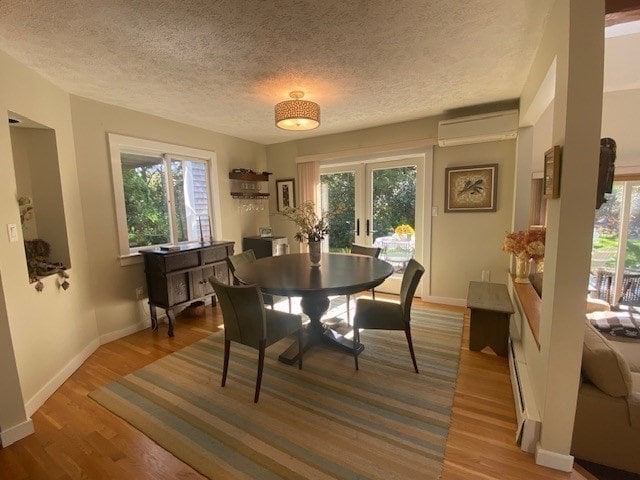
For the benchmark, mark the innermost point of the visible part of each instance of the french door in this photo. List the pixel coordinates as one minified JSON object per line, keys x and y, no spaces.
{"x":380,"y":204}
{"x":615,"y":256}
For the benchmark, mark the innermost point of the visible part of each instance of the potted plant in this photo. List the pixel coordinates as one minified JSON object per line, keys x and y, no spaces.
{"x":312,"y":227}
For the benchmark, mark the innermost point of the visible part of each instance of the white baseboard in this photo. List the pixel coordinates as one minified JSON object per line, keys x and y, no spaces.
{"x":35,"y":402}
{"x":17,"y":432}
{"x":136,"y":327}
{"x":557,"y":461}
{"x":458,"y":302}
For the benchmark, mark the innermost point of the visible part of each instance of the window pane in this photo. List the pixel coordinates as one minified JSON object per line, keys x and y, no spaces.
{"x":394,"y":214}
{"x":338,"y":192}
{"x":145,"y":200}
{"x":605,"y":244}
{"x":192,"y":200}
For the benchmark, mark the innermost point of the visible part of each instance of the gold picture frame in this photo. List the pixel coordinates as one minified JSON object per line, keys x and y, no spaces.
{"x":471,"y":189}
{"x":552,"y":172}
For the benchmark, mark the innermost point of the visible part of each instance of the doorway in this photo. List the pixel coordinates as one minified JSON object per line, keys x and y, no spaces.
{"x":380,"y":203}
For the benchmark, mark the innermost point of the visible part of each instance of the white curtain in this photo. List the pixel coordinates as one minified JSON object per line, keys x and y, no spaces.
{"x":309,"y":187}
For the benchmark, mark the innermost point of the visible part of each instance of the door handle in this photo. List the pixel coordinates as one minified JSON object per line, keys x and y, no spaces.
{"x":367,"y":227}
{"x":358,"y":227}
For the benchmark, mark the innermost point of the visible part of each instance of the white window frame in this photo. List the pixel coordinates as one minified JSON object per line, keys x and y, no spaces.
{"x":119,"y":144}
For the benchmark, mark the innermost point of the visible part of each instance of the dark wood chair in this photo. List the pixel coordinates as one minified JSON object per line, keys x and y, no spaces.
{"x":234,"y":261}
{"x":374,"y":314}
{"x":246,"y":321}
{"x":369,"y":252}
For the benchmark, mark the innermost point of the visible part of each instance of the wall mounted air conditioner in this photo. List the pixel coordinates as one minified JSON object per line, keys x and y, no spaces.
{"x":488,"y":127}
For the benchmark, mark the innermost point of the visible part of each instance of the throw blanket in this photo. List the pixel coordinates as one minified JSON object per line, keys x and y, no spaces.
{"x":617,"y":324}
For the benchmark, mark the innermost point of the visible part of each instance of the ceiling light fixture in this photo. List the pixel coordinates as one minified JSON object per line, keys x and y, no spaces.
{"x":297,"y":114}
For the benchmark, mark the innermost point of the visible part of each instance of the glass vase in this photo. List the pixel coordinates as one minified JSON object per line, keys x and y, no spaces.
{"x":522,"y":270}
{"x":315,"y":253}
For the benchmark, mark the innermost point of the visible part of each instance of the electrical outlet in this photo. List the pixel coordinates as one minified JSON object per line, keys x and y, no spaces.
{"x":486,"y":275}
{"x":139,"y":293}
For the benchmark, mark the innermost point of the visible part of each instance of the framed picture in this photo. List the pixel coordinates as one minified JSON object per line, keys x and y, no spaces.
{"x":265,"y":232}
{"x":471,"y":189}
{"x":286,"y":193}
{"x":552,"y":172}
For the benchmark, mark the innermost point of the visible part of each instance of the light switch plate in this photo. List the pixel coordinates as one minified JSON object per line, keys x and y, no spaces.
{"x":434,"y":211}
{"x":12,"y":232}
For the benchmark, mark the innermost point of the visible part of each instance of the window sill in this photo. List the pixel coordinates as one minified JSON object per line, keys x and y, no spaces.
{"x":130,"y":259}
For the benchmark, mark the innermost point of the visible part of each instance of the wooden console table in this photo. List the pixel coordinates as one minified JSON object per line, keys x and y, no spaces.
{"x":491,"y":308}
{"x":178,"y":277}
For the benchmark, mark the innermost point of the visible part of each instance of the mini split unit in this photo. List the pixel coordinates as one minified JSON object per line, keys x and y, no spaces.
{"x":488,"y":127}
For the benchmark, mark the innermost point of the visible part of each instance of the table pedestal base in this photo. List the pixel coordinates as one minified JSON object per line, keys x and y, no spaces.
{"x":316,"y":332}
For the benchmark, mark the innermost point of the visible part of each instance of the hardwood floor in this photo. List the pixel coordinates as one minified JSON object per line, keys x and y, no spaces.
{"x":77,"y":438}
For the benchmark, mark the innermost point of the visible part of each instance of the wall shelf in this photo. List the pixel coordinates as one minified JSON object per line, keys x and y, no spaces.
{"x":248,"y":176}
{"x":249,"y":195}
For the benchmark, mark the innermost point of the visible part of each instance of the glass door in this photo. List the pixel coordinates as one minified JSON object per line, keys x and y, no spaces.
{"x":379,"y":201}
{"x":615,"y":256}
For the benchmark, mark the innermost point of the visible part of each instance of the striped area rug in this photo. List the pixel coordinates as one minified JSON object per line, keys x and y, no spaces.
{"x":326,"y":421}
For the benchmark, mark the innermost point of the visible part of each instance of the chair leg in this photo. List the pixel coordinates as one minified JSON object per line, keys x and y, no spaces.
{"x":261,"y":349}
{"x":356,"y":343}
{"x":300,"y":349}
{"x":289,"y":304}
{"x":348,"y":310}
{"x":225,"y":366}
{"x":407,"y":332}
{"x":373,"y":294}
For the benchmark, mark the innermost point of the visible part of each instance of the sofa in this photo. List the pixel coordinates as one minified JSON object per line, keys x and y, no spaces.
{"x":607,"y":423}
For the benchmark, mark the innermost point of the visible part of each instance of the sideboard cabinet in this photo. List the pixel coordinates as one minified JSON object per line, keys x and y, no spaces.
{"x":177,"y":276}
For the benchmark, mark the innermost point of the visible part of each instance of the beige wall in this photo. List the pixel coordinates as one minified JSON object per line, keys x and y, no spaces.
{"x":36,"y":147}
{"x":574,"y":27}
{"x":52,"y":331}
{"x":463,"y":244}
{"x":113,"y":285}
{"x":620,"y":120}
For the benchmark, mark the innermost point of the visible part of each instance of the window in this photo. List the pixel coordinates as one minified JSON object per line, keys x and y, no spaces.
{"x":162,"y":192}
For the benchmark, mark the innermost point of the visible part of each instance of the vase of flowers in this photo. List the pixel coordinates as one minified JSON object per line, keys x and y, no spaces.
{"x":404,"y":231}
{"x":525,"y":246}
{"x":312,"y":227}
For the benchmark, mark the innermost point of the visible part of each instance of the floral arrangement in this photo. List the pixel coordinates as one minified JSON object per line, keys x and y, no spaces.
{"x":311,"y":226}
{"x":526,"y":243}
{"x":405,"y":229}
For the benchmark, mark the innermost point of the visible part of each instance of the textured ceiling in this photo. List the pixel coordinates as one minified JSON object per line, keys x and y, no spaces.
{"x":222,"y":65}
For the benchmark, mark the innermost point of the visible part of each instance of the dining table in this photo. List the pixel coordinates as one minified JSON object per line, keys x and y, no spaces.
{"x":293,"y":275}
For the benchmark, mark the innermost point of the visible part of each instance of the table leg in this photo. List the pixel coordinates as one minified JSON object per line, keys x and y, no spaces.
{"x":171,"y":316}
{"x":316,"y":332}
{"x":154,"y":317}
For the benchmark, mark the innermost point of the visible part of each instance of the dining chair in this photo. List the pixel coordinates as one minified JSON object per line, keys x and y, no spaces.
{"x":246,"y":321}
{"x":248,"y":256}
{"x":369,"y":252}
{"x":375,"y":314}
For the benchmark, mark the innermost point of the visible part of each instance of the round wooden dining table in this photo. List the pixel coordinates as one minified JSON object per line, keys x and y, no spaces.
{"x":294,"y":276}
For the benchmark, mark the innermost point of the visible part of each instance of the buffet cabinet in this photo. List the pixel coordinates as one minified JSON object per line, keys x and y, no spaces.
{"x":177,"y":276}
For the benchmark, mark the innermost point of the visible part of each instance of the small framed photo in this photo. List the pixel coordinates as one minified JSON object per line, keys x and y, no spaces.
{"x":552,"y":172}
{"x":265,"y":232}
{"x":471,"y":189}
{"x":285,"y":190}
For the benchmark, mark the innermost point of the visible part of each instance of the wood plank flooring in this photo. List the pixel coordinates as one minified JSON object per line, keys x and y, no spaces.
{"x":77,"y":438}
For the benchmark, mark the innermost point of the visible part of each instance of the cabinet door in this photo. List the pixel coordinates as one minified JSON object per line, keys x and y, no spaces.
{"x":178,"y":287}
{"x":201,"y":285}
{"x":221,"y":271}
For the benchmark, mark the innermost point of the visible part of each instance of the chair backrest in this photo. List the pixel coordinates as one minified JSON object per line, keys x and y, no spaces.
{"x":412,"y":274}
{"x":242,"y":312}
{"x":368,"y":251}
{"x":234,"y":261}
